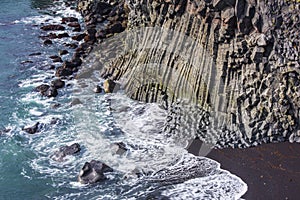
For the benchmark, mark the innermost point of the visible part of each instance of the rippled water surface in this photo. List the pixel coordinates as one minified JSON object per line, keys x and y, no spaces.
{"x":28,"y":172}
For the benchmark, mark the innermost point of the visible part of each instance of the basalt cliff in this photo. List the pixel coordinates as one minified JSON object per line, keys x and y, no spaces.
{"x":235,"y":61}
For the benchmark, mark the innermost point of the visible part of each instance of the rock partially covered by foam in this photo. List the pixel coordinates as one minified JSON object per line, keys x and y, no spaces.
{"x":33,"y":129}
{"x":65,"y":151}
{"x":93,"y":172}
{"x":119,"y":148}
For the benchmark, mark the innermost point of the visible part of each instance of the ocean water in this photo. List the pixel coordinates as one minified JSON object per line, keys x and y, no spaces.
{"x":27,"y":170}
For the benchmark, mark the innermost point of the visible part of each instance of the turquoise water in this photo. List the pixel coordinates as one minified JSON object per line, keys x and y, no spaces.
{"x":27,"y":171}
{"x":16,"y":41}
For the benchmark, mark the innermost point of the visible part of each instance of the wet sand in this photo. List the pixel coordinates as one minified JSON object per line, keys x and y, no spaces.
{"x":271,"y":171}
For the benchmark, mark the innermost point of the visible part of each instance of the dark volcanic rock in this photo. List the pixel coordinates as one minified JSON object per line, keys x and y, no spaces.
{"x":47,"y":90}
{"x":58,"y":83}
{"x":74,"y":25}
{"x":53,"y":28}
{"x":119,"y":148}
{"x":72,"y":45}
{"x":97,"y":89}
{"x":69,"y":19}
{"x":77,"y":29}
{"x":49,"y":36}
{"x":116,"y":28}
{"x":253,"y":47}
{"x":33,"y":129}
{"x":63,"y":52}
{"x":4,"y":131}
{"x":65,"y":151}
{"x":51,"y":92}
{"x":63,"y":35}
{"x":60,"y":72}
{"x":56,"y":58}
{"x":48,"y":42}
{"x":79,"y":37}
{"x":93,"y":172}
{"x":35,"y":54}
{"x":42,"y":88}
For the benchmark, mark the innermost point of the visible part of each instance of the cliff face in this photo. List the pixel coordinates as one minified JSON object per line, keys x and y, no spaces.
{"x":234,"y":60}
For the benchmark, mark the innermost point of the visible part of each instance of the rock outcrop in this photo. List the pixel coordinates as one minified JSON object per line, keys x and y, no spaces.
{"x":93,"y":172}
{"x":65,"y":151}
{"x":238,"y":60}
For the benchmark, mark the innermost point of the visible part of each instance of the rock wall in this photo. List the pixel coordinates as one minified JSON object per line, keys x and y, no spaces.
{"x":242,"y":65}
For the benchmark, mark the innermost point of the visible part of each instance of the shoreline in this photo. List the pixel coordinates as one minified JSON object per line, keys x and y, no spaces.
{"x":269,"y":170}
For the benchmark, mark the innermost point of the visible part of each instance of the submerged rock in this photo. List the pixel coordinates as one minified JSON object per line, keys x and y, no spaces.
{"x":119,"y":148}
{"x":65,"y":151}
{"x":2,"y":132}
{"x":75,"y":102}
{"x":93,"y":172}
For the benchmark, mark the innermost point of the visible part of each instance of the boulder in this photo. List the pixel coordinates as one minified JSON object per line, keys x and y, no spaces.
{"x":97,"y":89}
{"x":48,"y":42}
{"x":77,"y":29}
{"x":56,"y":58}
{"x":119,"y":148}
{"x":63,"y":52}
{"x":74,"y":25}
{"x":75,"y":101}
{"x":47,"y":90}
{"x":35,"y":54}
{"x":116,"y":28}
{"x":79,"y":37}
{"x":73,"y":64}
{"x":58,"y":83}
{"x":63,"y":72}
{"x":42,"y":88}
{"x":69,"y":19}
{"x":33,"y":129}
{"x":109,"y":86}
{"x":65,"y":151}
{"x":93,"y":172}
{"x":63,"y":35}
{"x":72,"y":45}
{"x":51,"y":92}
{"x":53,"y":27}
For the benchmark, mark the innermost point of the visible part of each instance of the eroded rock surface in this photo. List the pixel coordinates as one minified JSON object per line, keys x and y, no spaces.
{"x":93,"y":172}
{"x":65,"y":151}
{"x":237,"y":60}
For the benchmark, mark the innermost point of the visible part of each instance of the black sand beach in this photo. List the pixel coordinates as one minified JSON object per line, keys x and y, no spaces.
{"x":271,"y":171}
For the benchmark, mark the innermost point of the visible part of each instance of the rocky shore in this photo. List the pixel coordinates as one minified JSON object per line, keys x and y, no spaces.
{"x":249,"y":61}
{"x":245,"y":77}
{"x":241,"y":68}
